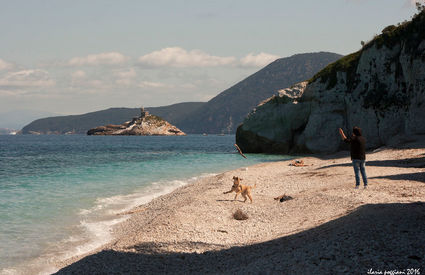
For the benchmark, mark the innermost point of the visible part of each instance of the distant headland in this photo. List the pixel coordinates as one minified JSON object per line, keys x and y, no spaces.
{"x":144,"y":125}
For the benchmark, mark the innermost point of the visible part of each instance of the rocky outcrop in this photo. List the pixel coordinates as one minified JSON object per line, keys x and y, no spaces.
{"x":380,"y":88}
{"x":145,"y":125}
{"x":271,"y":126}
{"x":80,"y":124}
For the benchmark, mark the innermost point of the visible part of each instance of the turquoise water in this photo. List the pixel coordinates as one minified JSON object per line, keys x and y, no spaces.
{"x":59,"y":195}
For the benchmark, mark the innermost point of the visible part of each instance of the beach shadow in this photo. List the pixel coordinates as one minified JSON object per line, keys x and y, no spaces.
{"x":404,"y":163}
{"x":337,"y":155}
{"x":420,"y":176}
{"x":158,"y":248}
{"x":337,"y":165}
{"x":232,"y":201}
{"x":374,"y":236}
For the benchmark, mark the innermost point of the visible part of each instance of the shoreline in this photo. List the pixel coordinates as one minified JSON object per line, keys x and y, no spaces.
{"x":65,"y":218}
{"x":94,"y":229}
{"x":196,"y":219}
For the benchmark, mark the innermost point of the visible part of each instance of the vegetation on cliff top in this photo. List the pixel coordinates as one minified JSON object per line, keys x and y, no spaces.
{"x":346,"y":64}
{"x":411,"y":32}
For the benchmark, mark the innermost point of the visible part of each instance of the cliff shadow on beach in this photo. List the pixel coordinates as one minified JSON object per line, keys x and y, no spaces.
{"x":402,"y":163}
{"x":375,"y":237}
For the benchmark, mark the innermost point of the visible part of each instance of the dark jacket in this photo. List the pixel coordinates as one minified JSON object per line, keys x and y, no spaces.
{"x":357,"y":147}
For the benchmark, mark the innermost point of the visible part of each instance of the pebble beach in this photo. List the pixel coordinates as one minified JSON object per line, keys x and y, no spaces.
{"x":327,"y":227}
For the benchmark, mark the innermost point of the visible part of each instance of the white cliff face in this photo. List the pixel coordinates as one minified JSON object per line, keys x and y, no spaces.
{"x":382,"y":91}
{"x":277,"y":120}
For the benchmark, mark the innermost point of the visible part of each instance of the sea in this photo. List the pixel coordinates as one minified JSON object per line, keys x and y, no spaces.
{"x":60,"y":195}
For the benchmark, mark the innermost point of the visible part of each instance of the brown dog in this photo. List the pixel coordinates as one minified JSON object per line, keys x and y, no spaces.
{"x":240,"y":188}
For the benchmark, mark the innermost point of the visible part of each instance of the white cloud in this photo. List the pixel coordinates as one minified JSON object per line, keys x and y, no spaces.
{"x":188,"y":86}
{"x":149,"y":84}
{"x":131,"y":73}
{"x":78,"y":74}
{"x":259,"y":60}
{"x":111,"y":58}
{"x":96,"y":83}
{"x":125,"y":77}
{"x":178,"y":57}
{"x":124,"y":81}
{"x":27,"y":79}
{"x":7,"y":92}
{"x":5,"y":65}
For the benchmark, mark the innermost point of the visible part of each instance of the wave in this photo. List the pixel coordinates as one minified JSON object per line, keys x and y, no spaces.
{"x":95,"y":227}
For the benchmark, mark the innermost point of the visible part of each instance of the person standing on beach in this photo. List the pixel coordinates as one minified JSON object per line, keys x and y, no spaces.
{"x":358,"y":153}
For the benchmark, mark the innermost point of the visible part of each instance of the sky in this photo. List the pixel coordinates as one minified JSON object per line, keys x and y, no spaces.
{"x":73,"y":57}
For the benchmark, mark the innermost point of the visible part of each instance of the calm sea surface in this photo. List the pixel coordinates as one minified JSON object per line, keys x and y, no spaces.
{"x":60,"y":195}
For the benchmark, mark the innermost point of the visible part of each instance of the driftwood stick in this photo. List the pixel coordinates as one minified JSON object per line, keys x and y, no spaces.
{"x":239,"y":150}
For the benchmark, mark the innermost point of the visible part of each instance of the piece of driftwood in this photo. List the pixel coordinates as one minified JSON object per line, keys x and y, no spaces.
{"x":283,"y":198}
{"x":297,"y":163}
{"x":239,"y":150}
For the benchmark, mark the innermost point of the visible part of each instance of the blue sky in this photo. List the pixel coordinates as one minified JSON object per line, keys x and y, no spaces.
{"x":72,"y":57}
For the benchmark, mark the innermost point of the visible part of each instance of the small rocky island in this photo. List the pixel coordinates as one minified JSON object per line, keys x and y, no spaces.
{"x":145,"y":125}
